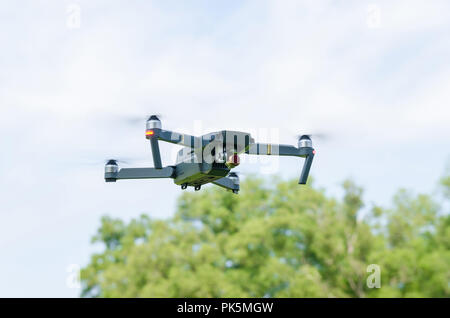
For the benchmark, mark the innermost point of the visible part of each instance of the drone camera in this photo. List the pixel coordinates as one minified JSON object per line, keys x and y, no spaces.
{"x":233,"y":161}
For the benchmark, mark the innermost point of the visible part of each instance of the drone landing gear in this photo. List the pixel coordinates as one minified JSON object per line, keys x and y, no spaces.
{"x":235,"y":191}
{"x":185,"y":185}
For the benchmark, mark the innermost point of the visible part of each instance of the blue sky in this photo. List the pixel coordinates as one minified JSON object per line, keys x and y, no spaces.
{"x":379,"y":89}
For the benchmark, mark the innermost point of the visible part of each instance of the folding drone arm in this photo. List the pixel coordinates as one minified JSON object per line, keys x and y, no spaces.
{"x":231,"y":182}
{"x":112,"y":172}
{"x":305,"y":151}
{"x":178,"y":138}
{"x":277,"y":150}
{"x":154,"y":132}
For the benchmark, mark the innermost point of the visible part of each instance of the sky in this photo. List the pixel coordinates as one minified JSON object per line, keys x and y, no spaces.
{"x":373,"y":76}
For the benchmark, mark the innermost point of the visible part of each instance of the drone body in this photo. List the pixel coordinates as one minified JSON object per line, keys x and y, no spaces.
{"x":208,"y":158}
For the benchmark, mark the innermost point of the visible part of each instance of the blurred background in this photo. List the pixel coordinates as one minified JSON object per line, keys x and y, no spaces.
{"x":373,"y":76}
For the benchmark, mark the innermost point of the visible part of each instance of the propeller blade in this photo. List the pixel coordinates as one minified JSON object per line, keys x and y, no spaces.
{"x":98,"y":162}
{"x":314,"y":136}
{"x":141,"y":119}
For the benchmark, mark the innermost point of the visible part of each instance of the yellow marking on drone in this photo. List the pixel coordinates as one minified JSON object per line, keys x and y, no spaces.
{"x":269,"y":149}
{"x":182,"y":139}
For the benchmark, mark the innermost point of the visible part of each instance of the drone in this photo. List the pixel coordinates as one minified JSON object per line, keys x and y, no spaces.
{"x":208,"y":158}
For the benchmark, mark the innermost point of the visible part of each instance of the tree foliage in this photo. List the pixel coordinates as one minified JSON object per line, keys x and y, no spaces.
{"x":279,"y":241}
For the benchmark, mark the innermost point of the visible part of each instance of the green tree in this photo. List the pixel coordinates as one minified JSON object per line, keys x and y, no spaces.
{"x":276,"y":241}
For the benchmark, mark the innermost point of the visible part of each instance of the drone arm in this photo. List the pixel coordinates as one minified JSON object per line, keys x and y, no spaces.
{"x":140,"y":173}
{"x":226,"y":183}
{"x":306,"y":167}
{"x":156,"y":153}
{"x":286,"y":150}
{"x":178,"y":138}
{"x":277,"y":150}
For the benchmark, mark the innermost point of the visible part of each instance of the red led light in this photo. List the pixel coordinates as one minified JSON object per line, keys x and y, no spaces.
{"x":314,"y":152}
{"x":149,"y":133}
